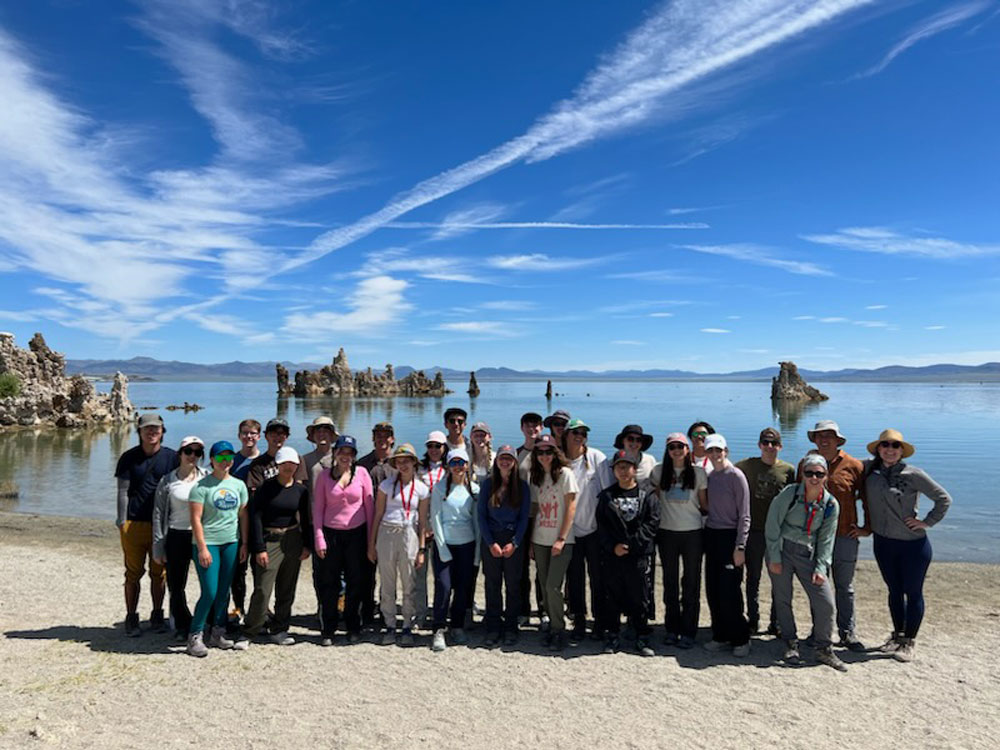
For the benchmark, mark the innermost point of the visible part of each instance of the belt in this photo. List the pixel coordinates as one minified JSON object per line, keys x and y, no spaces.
{"x":279,"y":529}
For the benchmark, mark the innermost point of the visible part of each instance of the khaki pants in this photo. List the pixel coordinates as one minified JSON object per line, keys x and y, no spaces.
{"x":280,"y":577}
{"x":396,"y":549}
{"x":552,"y":573}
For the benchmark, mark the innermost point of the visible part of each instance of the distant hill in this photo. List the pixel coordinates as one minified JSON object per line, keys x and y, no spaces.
{"x":147,"y":367}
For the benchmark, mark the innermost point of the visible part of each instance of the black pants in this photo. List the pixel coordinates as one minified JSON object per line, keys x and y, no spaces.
{"x":682,"y":603}
{"x":346,"y":550}
{"x":526,"y":576}
{"x":586,"y":559}
{"x":239,"y":587}
{"x":369,"y":606}
{"x":626,"y":591}
{"x":724,"y":588}
{"x":452,"y":581}
{"x":503,"y":573}
{"x":178,"y":549}
{"x":756,"y":547}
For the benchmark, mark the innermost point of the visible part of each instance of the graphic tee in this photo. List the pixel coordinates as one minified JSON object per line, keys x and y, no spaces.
{"x":550,"y":500}
{"x":679,"y":508}
{"x":221,"y":501}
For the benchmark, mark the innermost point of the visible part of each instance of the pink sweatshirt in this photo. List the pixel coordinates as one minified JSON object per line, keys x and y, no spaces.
{"x":342,"y":508}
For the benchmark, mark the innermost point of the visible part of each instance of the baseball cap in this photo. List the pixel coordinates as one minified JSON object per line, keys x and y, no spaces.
{"x":277,"y":424}
{"x":191,"y":440}
{"x":150,"y":419}
{"x":222,"y":446}
{"x":346,"y":441}
{"x":436,"y":436}
{"x":505,"y":450}
{"x":286,"y":455}
{"x":624,"y":456}
{"x":457,"y":453}
{"x":480,"y":427}
{"x":455,"y":410}
{"x":769,"y":433}
{"x":531,"y":416}
{"x":715,"y":441}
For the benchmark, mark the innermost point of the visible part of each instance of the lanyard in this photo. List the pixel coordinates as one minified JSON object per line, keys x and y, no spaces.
{"x":407,"y":502}
{"x":431,"y":479}
{"x":811,"y":513}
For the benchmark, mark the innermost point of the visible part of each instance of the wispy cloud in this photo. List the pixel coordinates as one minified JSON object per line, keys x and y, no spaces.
{"x":760,"y":255}
{"x":400,"y":260}
{"x":461,"y":227}
{"x":659,"y":276}
{"x":661,"y":315}
{"x":927,"y":28}
{"x":539,"y":262}
{"x":934,"y":328}
{"x":890,"y":242}
{"x":481,"y":328}
{"x":510,"y":305}
{"x":715,"y":330}
{"x":374,"y":306}
{"x":627,"y":342}
{"x":876,"y":307}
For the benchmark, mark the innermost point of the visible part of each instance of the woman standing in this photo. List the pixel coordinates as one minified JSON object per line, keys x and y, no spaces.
{"x":682,"y":489}
{"x":504,"y":503}
{"x":172,"y":528}
{"x":901,"y":546}
{"x":218,"y":505}
{"x":342,"y":512}
{"x":481,"y":452}
{"x":452,"y":515}
{"x":394,"y":540}
{"x":553,"y":490}
{"x":432,"y":470}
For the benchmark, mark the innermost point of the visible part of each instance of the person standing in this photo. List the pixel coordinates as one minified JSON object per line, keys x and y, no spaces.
{"x":634,"y":441}
{"x":697,"y":433}
{"x":800,"y":527}
{"x":322,"y":433}
{"x":432,"y":470}
{"x":766,"y":476}
{"x":531,"y":429}
{"x":454,"y":422}
{"x":378,"y":465}
{"x":504,"y":502}
{"x":219,"y":529}
{"x":726,"y":529}
{"x":138,"y":473}
{"x":845,"y":481}
{"x":248,"y":433}
{"x":172,"y":528}
{"x":902,"y":549}
{"x":681,"y":488}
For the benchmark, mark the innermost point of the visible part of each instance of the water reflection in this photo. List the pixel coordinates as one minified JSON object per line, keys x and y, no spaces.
{"x":790,"y":413}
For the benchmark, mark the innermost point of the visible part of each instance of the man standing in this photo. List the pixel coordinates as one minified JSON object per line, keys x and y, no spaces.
{"x":249,"y":434}
{"x":845,"y":481}
{"x":454,"y":422}
{"x":378,"y":466}
{"x":766,"y":476}
{"x":139,"y":470}
{"x":531,"y":428}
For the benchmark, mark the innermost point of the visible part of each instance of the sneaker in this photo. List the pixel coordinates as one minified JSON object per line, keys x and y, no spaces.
{"x":577,"y":636}
{"x":826,"y":656}
{"x":218,"y":639}
{"x":157,"y":622}
{"x":772,"y":629}
{"x":892,"y":644}
{"x":241,"y":643}
{"x":715,"y":646}
{"x":905,"y":652}
{"x":511,"y":637}
{"x":522,"y":620}
{"x":327,"y":641}
{"x":353,"y":638}
{"x":685,"y":642}
{"x":671,"y":639}
{"x":389,"y":637}
{"x":132,"y":629}
{"x":598,"y":634}
{"x":282,"y":639}
{"x":558,"y":642}
{"x":458,"y":637}
{"x":544,"y":624}
{"x":851,"y":643}
{"x":791,"y":652}
{"x":612,"y":644}
{"x":491,"y":640}
{"x":406,"y":639}
{"x":742,"y":651}
{"x":196,"y":645}
{"x":643,"y":647}
{"x":439,"y":643}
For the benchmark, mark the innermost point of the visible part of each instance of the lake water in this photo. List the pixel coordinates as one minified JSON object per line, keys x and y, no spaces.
{"x":953,"y":426}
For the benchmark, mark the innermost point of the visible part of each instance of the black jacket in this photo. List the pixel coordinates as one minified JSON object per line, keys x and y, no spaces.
{"x":619,"y":523}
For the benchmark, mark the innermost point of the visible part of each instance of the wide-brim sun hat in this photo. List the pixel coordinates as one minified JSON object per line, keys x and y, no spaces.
{"x":824,"y":425}
{"x":320,"y":422}
{"x":404,"y":451}
{"x":892,"y":436}
{"x":557,"y":414}
{"x":633,"y":429}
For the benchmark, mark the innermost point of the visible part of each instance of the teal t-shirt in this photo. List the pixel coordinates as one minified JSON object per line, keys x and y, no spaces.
{"x":221,"y":501}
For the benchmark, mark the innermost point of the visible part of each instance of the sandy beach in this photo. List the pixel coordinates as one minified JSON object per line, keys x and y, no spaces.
{"x":71,"y":679}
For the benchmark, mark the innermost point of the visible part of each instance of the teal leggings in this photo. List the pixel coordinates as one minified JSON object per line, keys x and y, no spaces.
{"x":215,"y":581}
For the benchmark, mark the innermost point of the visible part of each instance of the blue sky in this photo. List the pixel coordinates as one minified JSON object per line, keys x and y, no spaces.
{"x":697,"y":184}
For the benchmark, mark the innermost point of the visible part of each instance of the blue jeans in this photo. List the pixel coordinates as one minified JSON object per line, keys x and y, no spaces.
{"x":215,"y":581}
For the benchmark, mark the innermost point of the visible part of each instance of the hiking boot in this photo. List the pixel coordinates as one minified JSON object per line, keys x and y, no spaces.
{"x":791,"y":654}
{"x":196,"y":645}
{"x":742,"y":651}
{"x":439,"y":643}
{"x":891,"y":645}
{"x":459,"y":637}
{"x":905,"y":652}
{"x":491,"y":640}
{"x":132,"y":629}
{"x":157,"y":623}
{"x":685,"y":642}
{"x":612,"y":644}
{"x":715,"y":646}
{"x":218,"y":639}
{"x":826,"y":656}
{"x":671,"y":639}
{"x":389,"y":637}
{"x":406,"y":639}
{"x":282,"y":639}
{"x":643,"y":647}
{"x":852,"y":643}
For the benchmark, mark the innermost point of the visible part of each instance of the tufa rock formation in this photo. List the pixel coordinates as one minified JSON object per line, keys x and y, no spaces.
{"x":48,"y":398}
{"x":473,"y":385}
{"x":548,"y":390}
{"x":336,"y":379}
{"x":788,"y":385}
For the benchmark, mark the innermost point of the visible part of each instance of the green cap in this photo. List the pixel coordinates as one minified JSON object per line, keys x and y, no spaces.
{"x":575,"y":424}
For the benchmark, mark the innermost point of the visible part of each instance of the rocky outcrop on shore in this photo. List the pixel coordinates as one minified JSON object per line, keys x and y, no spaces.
{"x":39,"y":393}
{"x":336,"y":379}
{"x":788,"y":385}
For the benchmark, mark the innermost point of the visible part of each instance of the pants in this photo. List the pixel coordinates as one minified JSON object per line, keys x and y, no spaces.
{"x":280,"y":577}
{"x":396,"y":550}
{"x":346,"y":553}
{"x":586,"y":559}
{"x":682,"y":603}
{"x":724,"y":588}
{"x":215,"y":581}
{"x":845,"y":560}
{"x":797,"y":561}
{"x":137,"y":547}
{"x":904,"y":564}
{"x":626,"y":590}
{"x":178,"y":548}
{"x":420,"y":590}
{"x":756,"y":547}
{"x":503,"y":572}
{"x":552,"y":572}
{"x":452,"y":580}
{"x":239,"y":586}
{"x":526,"y":577}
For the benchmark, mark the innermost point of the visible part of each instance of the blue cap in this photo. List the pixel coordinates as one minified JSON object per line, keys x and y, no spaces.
{"x":346,"y":441}
{"x":220,"y":447}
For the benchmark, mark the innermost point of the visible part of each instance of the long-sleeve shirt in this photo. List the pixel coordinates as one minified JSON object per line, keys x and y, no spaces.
{"x":495,"y":520}
{"x":729,"y":502}
{"x":590,"y":480}
{"x":627,"y":516}
{"x":845,"y":481}
{"x":893,"y":496}
{"x":454,"y":517}
{"x":170,"y":506}
{"x":811,"y":524}
{"x":342,"y":508}
{"x":274,"y":506}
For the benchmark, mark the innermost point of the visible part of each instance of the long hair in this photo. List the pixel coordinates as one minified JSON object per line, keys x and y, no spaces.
{"x":468,"y":482}
{"x":667,"y":471}
{"x":474,"y":453}
{"x":537,"y":473}
{"x":333,"y":467}
{"x":511,"y":494}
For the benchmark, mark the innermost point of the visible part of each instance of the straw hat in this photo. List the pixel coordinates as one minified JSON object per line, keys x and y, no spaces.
{"x":891,"y":436}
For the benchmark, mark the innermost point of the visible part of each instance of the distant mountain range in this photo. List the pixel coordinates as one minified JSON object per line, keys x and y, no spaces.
{"x":149,"y":368}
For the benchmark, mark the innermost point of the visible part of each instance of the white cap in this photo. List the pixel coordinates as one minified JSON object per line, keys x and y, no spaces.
{"x":715,"y":441}
{"x":458,"y":453}
{"x":286,"y":455}
{"x":191,"y":440}
{"x":436,"y":437}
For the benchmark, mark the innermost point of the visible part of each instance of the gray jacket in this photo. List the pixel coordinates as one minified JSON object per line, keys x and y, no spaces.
{"x":892,"y":497}
{"x":161,"y":509}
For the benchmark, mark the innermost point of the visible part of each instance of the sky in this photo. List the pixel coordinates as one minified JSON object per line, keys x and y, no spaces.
{"x":695,"y":184}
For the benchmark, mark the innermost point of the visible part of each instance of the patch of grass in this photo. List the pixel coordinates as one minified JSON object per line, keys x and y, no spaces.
{"x":10,"y":385}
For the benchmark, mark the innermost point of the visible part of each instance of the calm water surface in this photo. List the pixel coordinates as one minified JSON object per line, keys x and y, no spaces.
{"x":954,"y":427}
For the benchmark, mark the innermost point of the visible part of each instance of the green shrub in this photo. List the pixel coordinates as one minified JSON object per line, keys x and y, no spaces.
{"x":10,"y":385}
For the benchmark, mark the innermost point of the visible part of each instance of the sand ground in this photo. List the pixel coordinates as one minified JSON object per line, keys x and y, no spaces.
{"x":69,"y":678}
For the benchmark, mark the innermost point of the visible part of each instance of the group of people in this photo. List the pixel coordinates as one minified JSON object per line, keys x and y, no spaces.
{"x":592,"y":523}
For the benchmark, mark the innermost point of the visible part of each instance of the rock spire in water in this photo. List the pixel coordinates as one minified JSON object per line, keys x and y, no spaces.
{"x":788,"y":385}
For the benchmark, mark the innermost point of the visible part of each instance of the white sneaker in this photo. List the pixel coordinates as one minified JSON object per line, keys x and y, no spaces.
{"x":742,"y":651}
{"x":439,"y":643}
{"x":241,"y":644}
{"x":282,"y":639}
{"x":218,"y":639}
{"x":196,"y":645}
{"x":714,"y":646}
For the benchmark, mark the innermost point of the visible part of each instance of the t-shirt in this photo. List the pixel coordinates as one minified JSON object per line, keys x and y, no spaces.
{"x":278,"y":507}
{"x":178,"y":493}
{"x":240,"y":467}
{"x":402,"y":504}
{"x":765,"y":483}
{"x":221,"y":500}
{"x":679,"y":508}
{"x":143,"y":474}
{"x":590,"y":480}
{"x":432,"y":476}
{"x":550,"y":499}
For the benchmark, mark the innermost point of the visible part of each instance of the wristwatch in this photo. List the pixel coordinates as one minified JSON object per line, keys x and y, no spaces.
{"x":422,"y":549}
{"x":560,"y":539}
{"x":741,"y":548}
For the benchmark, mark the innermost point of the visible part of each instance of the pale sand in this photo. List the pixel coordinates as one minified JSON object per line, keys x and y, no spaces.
{"x":70,"y":678}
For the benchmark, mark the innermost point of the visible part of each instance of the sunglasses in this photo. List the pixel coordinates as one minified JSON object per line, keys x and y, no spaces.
{"x":193,"y":452}
{"x":890,"y":444}
{"x":439,"y":446}
{"x":699,"y":435}
{"x":771,"y":443}
{"x":558,"y":423}
{"x":545,"y":452}
{"x":224,"y":456}
{"x":456,"y":420}
{"x":814,"y":474}
{"x":632,"y":439}
{"x":676,"y":446}
{"x":456,"y":463}
{"x":579,"y":432}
